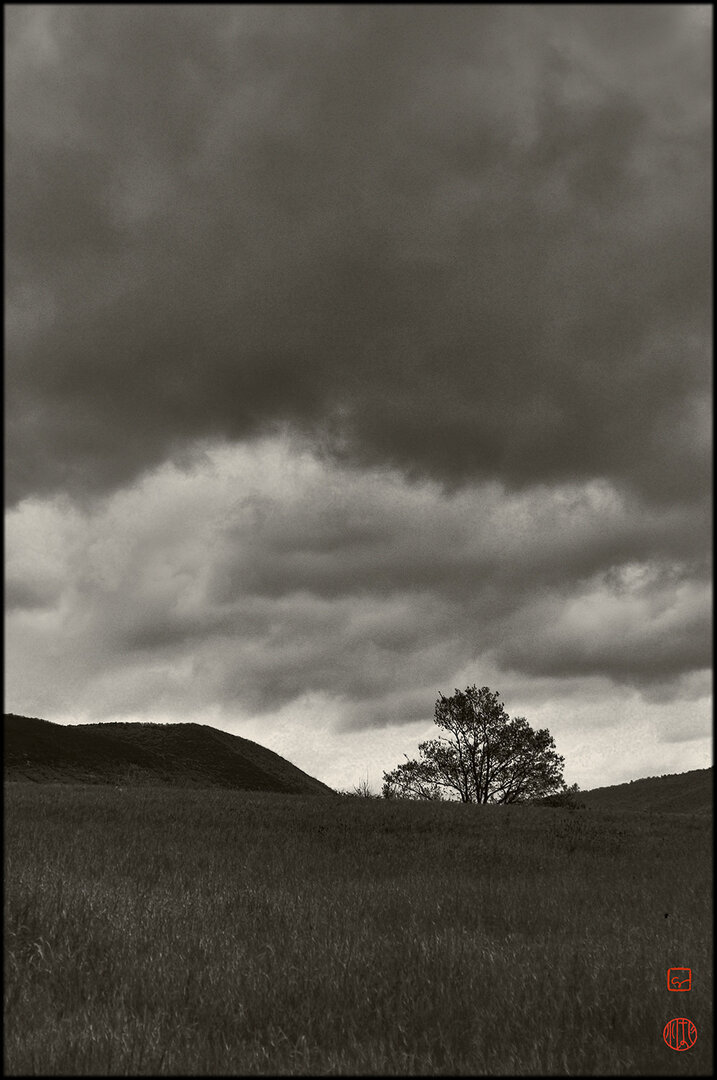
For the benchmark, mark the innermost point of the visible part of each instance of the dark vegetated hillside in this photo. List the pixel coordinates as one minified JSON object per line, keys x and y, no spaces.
{"x":39,"y":750}
{"x":685,"y":793}
{"x":185,"y":755}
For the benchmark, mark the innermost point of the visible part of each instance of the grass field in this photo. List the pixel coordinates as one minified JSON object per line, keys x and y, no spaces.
{"x":161,"y":931}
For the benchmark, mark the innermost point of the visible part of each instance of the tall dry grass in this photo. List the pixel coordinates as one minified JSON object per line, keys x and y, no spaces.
{"x":160,"y":931}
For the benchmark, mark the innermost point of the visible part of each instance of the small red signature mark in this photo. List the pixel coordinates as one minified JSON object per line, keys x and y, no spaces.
{"x":679,"y":979}
{"x":680,"y":1033}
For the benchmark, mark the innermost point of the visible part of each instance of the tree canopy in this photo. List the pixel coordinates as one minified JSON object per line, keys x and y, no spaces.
{"x":484,"y":756}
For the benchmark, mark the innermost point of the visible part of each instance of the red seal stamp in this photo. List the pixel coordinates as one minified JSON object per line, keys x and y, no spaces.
{"x":679,"y":979}
{"x":680,"y":1033}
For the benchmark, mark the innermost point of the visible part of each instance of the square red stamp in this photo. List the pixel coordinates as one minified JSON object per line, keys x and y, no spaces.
{"x":679,"y":979}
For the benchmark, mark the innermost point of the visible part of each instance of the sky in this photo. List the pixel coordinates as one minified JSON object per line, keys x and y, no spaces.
{"x":356,"y":354}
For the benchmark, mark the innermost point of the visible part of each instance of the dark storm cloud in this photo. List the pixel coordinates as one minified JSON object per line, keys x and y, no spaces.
{"x":648,"y":641}
{"x":469,"y":241}
{"x":368,"y":537}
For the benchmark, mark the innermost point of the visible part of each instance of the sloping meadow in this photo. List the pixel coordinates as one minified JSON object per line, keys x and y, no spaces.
{"x":161,"y":931}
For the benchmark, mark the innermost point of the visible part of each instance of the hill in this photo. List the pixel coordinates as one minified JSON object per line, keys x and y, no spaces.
{"x":687,"y":793}
{"x":183,"y":755}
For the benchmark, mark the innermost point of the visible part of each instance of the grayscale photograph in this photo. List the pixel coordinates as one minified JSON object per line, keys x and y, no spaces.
{"x":358,"y":540}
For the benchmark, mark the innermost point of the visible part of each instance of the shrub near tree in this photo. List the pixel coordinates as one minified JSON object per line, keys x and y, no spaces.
{"x":484,"y":756}
{"x":565,"y":799}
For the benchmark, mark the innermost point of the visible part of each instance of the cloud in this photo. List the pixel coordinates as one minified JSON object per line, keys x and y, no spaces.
{"x":265,"y":574}
{"x":356,"y":353}
{"x":647,"y":633}
{"x":471,"y":243}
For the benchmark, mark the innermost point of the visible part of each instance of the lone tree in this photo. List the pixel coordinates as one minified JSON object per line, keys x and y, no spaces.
{"x":484,"y":757}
